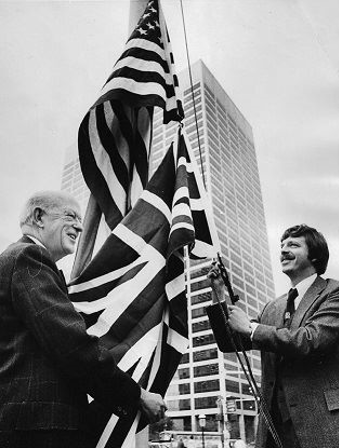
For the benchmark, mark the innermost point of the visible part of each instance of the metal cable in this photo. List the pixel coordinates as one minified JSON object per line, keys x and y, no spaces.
{"x":237,"y":342}
{"x":192,"y":93}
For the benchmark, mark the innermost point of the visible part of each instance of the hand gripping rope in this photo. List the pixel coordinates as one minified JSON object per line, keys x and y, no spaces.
{"x":235,"y":338}
{"x":236,"y":342}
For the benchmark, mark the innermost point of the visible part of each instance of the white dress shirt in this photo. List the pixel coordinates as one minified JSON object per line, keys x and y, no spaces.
{"x":301,"y":287}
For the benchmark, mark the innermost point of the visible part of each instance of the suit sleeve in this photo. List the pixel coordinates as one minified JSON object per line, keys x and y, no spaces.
{"x":317,"y":336}
{"x":39,"y":297}
{"x":222,"y":332}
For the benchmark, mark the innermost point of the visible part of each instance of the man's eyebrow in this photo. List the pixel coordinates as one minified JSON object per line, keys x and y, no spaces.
{"x":78,"y":215}
{"x":74,"y":213}
{"x":290,"y":242}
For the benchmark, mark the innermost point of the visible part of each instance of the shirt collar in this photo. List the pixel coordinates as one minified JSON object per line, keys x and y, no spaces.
{"x":303,"y":286}
{"x":35,"y":240}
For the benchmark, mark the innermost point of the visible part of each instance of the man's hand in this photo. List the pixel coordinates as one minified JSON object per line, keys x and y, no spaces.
{"x":152,"y":405}
{"x":238,"y":320}
{"x":217,"y":283}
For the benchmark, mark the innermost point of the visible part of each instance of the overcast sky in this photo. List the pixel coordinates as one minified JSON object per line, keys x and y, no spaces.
{"x":278,"y":60}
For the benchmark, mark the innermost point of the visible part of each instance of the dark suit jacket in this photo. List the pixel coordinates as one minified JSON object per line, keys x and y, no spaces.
{"x":48,"y":361}
{"x":307,"y":356}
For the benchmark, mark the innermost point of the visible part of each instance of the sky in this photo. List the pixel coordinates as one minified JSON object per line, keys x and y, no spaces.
{"x":278,"y":61}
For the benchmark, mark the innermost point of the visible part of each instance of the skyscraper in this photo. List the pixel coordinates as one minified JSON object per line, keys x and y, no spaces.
{"x":208,"y":381}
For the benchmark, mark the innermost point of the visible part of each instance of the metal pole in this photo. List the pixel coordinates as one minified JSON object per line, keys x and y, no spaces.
{"x":136,"y":8}
{"x":202,"y":423}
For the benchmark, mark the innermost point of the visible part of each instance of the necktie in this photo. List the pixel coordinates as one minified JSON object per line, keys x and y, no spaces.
{"x":290,"y":308}
{"x":63,"y":277}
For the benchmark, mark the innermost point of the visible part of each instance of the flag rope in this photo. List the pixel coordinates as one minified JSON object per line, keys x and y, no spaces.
{"x":192,"y":92}
{"x":238,"y":348}
{"x":248,"y":373}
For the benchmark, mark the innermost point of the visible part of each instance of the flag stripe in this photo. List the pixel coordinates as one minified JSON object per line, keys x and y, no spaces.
{"x":142,"y":61}
{"x":94,"y":177}
{"x":114,"y":145}
{"x":156,"y":82}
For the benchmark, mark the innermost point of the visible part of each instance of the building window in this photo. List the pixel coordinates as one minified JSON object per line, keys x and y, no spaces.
{"x":250,"y":290}
{"x":184,"y":405}
{"x":189,"y":91}
{"x":204,"y":297}
{"x":200,"y":285}
{"x":185,"y":358}
{"x":201,"y":326}
{"x":230,"y":357}
{"x":206,"y":386}
{"x":205,"y":354}
{"x":232,"y":386}
{"x":183,"y":373}
{"x":210,"y":369}
{"x":200,"y":272}
{"x":179,"y":405}
{"x":246,"y":389}
{"x":198,"y":312}
{"x":200,"y":298}
{"x":203,"y":340}
{"x":238,"y":282}
{"x":184,"y":389}
{"x":205,"y":402}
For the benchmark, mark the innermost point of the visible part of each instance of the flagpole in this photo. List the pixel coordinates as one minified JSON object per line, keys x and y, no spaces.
{"x":137,"y":7}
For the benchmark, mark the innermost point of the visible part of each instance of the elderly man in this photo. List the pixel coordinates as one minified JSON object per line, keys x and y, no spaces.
{"x":298,"y":335}
{"x":48,"y":361}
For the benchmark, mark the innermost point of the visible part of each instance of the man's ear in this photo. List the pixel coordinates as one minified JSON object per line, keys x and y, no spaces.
{"x":38,"y":214}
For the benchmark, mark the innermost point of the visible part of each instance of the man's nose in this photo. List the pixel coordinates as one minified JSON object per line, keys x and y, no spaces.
{"x":284,"y":249}
{"x":78,"y":226}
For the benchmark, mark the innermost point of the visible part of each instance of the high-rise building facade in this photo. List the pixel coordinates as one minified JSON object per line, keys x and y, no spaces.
{"x":207,"y":381}
{"x":72,"y":179}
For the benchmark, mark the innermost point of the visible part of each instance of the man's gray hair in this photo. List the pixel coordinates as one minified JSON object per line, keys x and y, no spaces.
{"x":46,"y":200}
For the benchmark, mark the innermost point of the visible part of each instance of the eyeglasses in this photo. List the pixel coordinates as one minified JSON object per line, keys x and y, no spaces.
{"x":68,"y":216}
{"x":72,"y":217}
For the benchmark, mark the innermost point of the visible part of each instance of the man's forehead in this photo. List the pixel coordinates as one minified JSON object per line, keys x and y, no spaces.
{"x":300,"y":239}
{"x":71,"y":205}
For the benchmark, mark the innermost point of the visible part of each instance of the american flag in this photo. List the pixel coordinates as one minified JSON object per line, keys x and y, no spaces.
{"x":133,"y":292}
{"x":115,"y":136}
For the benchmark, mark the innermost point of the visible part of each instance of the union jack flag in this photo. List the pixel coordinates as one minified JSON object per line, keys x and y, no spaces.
{"x":133,"y":292}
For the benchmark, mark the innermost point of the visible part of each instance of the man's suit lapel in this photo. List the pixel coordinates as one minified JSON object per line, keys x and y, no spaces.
{"x":280,"y":311}
{"x":307,"y":301}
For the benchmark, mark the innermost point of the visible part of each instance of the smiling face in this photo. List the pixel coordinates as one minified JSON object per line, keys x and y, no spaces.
{"x":60,"y":227}
{"x":294,"y":259}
